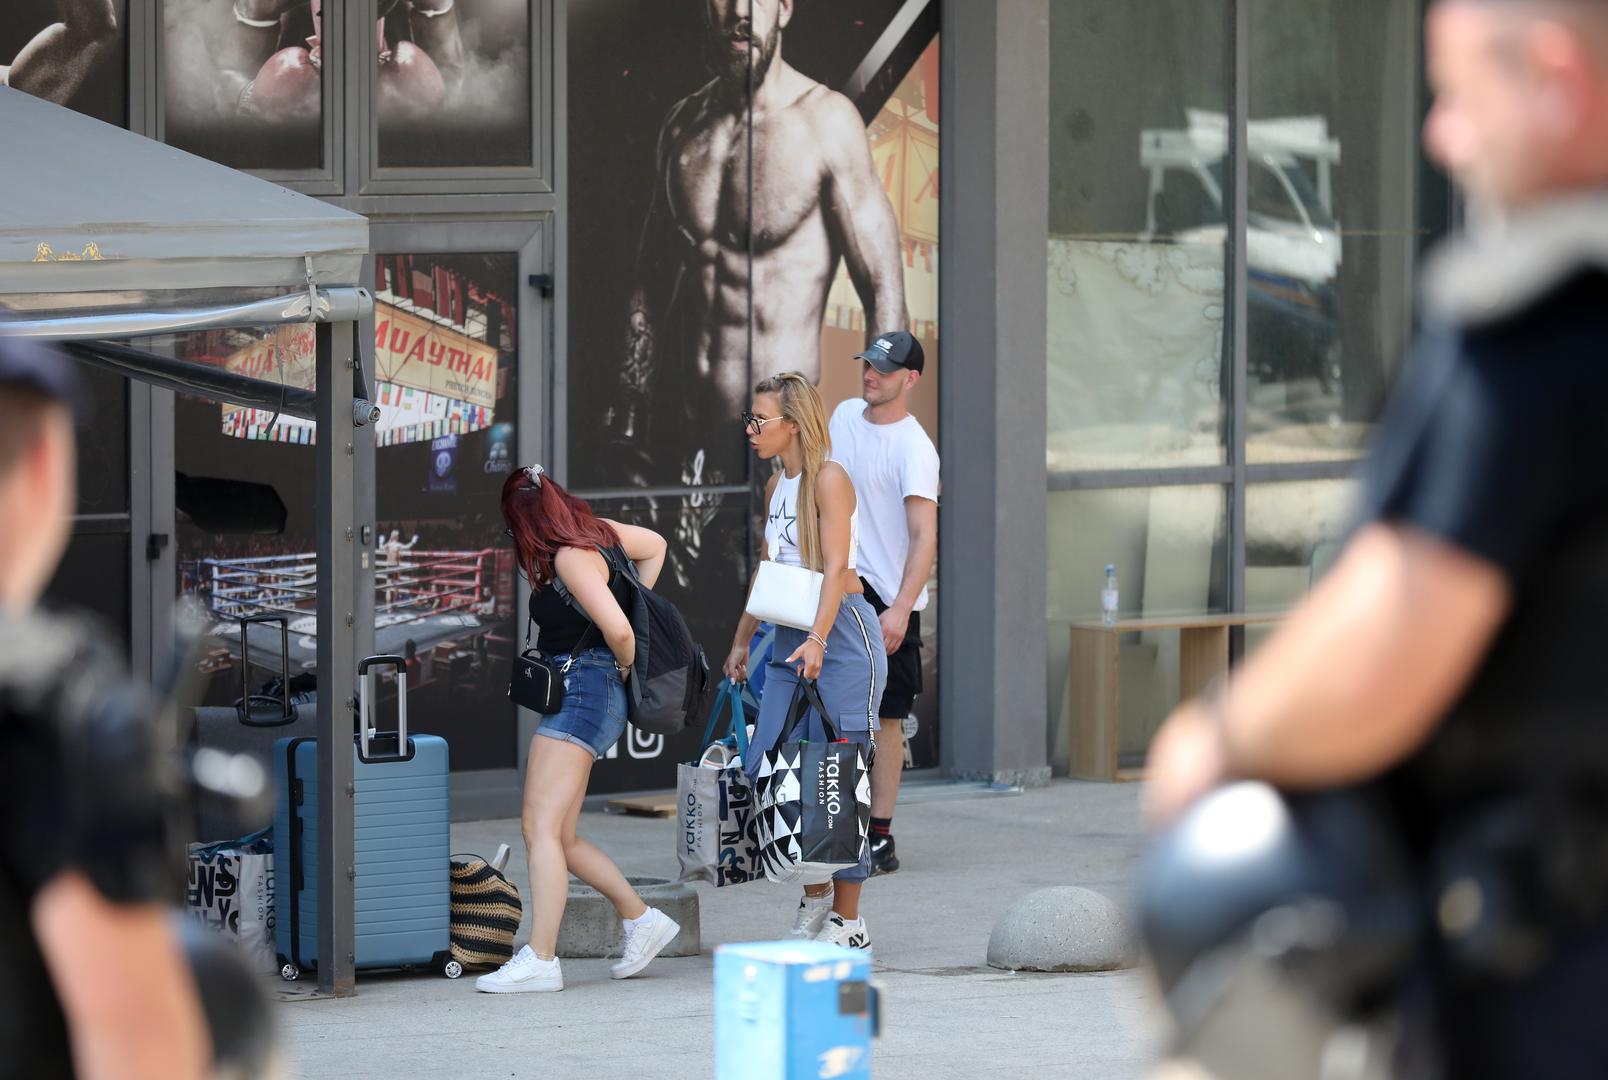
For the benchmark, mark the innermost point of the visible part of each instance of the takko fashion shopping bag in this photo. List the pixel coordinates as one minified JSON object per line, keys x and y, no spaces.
{"x":717,"y":839}
{"x":814,"y":798}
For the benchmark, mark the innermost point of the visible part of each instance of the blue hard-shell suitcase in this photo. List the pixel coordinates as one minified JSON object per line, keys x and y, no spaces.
{"x":403,"y":844}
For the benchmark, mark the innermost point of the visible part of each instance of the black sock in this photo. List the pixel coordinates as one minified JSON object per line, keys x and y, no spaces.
{"x":883,"y":826}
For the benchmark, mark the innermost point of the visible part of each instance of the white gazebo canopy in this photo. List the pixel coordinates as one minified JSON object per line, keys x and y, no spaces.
{"x":105,"y":233}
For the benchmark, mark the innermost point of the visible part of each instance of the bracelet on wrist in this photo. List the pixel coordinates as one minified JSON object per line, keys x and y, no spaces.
{"x":819,"y":640}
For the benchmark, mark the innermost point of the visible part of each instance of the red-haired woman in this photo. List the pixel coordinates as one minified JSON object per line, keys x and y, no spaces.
{"x":557,"y":537}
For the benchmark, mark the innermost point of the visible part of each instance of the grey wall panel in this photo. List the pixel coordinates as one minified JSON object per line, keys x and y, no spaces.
{"x":992,"y":306}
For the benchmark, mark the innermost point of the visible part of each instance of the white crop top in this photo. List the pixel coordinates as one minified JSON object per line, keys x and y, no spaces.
{"x":781,"y":525}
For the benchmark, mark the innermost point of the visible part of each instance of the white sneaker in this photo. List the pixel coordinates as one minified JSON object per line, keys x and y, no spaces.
{"x":643,"y":943}
{"x":850,"y":935}
{"x":526,"y":973}
{"x":811,"y":915}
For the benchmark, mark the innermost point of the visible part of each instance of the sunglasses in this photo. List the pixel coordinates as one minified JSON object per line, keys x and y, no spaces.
{"x":758,"y":422}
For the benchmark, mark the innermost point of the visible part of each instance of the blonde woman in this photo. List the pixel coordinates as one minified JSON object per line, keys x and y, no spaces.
{"x":812,"y":520}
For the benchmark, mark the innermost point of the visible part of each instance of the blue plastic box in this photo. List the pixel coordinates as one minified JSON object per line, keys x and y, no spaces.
{"x":791,"y":1010}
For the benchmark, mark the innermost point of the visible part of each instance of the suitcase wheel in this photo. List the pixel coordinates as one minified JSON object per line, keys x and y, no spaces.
{"x":452,"y":969}
{"x":290,"y":973}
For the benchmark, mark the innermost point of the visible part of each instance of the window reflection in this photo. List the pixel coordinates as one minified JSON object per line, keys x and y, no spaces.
{"x":1136,"y":248}
{"x":446,"y":586}
{"x":1294,"y":532}
{"x":1334,"y":223}
{"x":1170,"y":553}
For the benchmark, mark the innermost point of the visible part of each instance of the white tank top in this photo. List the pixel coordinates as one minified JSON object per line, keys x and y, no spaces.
{"x":781,"y":525}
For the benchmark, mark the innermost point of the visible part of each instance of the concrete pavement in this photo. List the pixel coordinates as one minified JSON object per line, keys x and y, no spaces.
{"x":967,"y":857}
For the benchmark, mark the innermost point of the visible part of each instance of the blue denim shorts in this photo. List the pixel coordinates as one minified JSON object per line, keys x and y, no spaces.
{"x":593,"y":715}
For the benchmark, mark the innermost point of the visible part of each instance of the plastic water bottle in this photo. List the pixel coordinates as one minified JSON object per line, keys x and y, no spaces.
{"x":1108,"y":597}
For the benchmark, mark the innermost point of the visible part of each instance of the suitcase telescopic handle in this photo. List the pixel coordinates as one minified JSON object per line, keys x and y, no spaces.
{"x":365,"y":728}
{"x":287,"y":712}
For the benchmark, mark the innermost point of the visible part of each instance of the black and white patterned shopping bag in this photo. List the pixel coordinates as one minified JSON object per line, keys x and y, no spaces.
{"x":814,"y":798}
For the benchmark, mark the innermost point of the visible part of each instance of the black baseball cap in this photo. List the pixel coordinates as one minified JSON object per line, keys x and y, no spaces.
{"x":42,"y":368}
{"x":894,"y":351}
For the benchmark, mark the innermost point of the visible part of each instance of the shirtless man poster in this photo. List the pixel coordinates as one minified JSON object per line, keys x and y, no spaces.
{"x":660,"y":197}
{"x":671,"y":291}
{"x":759,"y":243}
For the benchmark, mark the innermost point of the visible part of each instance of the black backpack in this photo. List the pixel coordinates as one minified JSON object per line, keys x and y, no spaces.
{"x":671,"y":675}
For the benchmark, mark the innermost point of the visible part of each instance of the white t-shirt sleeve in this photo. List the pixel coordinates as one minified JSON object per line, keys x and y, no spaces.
{"x":840,"y":416}
{"x":920,"y":469}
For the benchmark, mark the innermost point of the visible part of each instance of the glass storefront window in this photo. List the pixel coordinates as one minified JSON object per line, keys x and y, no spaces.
{"x":1334,"y":225}
{"x":103,"y":443}
{"x":95,"y":571}
{"x":1137,"y":235}
{"x":94,"y":576}
{"x":1168,"y":546}
{"x":446,"y":583}
{"x":1293,"y":534}
{"x":1339,"y":204}
{"x":446,"y":586}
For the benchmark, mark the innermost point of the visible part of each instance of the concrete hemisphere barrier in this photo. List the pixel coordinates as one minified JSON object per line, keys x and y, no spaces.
{"x":1063,"y":929}
{"x":591,"y":928}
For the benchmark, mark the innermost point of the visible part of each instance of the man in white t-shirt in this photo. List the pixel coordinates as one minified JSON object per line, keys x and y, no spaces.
{"x":894,"y":466}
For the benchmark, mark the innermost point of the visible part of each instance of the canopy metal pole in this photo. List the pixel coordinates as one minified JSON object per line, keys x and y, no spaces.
{"x":337,"y":658}
{"x":340,"y":304}
{"x":364,"y":384}
{"x":202,"y":380}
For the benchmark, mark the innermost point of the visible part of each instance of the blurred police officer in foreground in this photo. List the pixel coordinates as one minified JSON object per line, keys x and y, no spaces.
{"x":1453,"y":661}
{"x":93,"y":979}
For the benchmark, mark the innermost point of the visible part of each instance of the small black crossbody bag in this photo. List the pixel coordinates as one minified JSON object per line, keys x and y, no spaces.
{"x":537,"y":682}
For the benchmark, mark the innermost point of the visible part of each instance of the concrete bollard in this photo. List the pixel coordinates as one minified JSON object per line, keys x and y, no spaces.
{"x":591,"y":928}
{"x":1063,"y":929}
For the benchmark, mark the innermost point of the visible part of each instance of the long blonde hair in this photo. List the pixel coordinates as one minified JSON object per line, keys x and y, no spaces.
{"x":802,"y":404}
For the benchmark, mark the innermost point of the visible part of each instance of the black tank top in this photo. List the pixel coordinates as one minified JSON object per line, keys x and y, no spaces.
{"x":560,"y":626}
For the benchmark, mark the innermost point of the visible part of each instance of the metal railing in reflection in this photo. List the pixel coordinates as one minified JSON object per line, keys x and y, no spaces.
{"x":421,"y":584}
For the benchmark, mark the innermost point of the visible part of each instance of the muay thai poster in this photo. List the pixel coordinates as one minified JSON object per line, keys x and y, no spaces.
{"x":729,"y":221}
{"x":243,"y":83}
{"x":71,"y":52}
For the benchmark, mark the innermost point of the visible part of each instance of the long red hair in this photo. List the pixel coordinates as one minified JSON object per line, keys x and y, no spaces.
{"x":545,"y":519}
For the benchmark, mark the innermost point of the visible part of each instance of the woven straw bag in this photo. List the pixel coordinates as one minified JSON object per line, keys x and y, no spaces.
{"x":485,"y":913}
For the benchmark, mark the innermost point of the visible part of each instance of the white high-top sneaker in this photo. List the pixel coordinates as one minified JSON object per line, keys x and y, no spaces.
{"x":851,"y":935}
{"x":526,"y":973}
{"x":811,"y":915}
{"x":644,"y":943}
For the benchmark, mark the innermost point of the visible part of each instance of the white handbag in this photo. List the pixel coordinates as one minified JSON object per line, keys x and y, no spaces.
{"x":786,"y":595}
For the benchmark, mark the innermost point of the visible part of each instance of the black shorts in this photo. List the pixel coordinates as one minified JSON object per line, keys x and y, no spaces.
{"x":904,"y":666}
